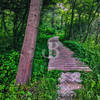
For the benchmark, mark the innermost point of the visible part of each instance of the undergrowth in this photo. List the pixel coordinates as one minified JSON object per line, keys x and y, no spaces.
{"x":90,"y":80}
{"x":43,"y":85}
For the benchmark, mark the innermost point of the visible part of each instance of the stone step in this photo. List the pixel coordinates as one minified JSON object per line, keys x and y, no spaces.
{"x":86,"y":69}
{"x":66,"y":62}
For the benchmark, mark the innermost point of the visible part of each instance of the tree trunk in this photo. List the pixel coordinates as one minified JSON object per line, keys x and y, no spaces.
{"x":27,"y":53}
{"x":15,"y":31}
{"x":53,"y":15}
{"x":61,"y":22}
{"x":87,"y":33}
{"x":4,"y":23}
{"x":90,"y":21}
{"x":72,"y":17}
{"x":21,"y":27}
{"x":97,"y":34}
{"x":80,"y":28}
{"x":65,"y":27}
{"x":96,"y":39}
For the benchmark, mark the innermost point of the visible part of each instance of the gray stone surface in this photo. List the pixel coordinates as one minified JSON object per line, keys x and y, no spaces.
{"x":68,"y":82}
{"x":65,"y":60}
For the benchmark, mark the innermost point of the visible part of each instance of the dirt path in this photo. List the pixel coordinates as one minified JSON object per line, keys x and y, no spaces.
{"x":66,"y":62}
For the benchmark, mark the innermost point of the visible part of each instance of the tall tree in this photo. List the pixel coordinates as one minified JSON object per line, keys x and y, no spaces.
{"x":53,"y":15}
{"x":72,"y":17}
{"x":61,"y":21}
{"x":27,"y":53}
{"x":80,"y":28}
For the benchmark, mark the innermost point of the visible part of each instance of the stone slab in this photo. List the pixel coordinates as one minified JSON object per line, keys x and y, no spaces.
{"x":65,"y":61}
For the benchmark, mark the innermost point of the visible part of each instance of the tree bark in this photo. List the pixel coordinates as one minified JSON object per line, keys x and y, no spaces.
{"x":72,"y":17}
{"x":80,"y":28}
{"x":96,"y":39}
{"x":97,"y":34}
{"x":65,"y":29}
{"x":53,"y":15}
{"x":27,"y":53}
{"x":61,"y":22}
{"x":15,"y":31}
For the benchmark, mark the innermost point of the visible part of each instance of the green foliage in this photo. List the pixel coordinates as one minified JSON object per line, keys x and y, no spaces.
{"x":8,"y":66}
{"x":84,"y":54}
{"x":91,"y":81}
{"x":43,"y":88}
{"x":91,"y":88}
{"x":8,"y":69}
{"x":43,"y":83}
{"x":46,"y":28}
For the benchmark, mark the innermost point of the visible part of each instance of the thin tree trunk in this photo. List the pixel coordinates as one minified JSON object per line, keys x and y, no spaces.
{"x":15,"y":31}
{"x":96,"y":39}
{"x":61,"y":22}
{"x":72,"y":17}
{"x":65,"y":29}
{"x":90,"y":21}
{"x":80,"y":28}
{"x":97,"y":34}
{"x":4,"y":23}
{"x":27,"y":53}
{"x":22,"y":27}
{"x":87,"y":33}
{"x":53,"y":15}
